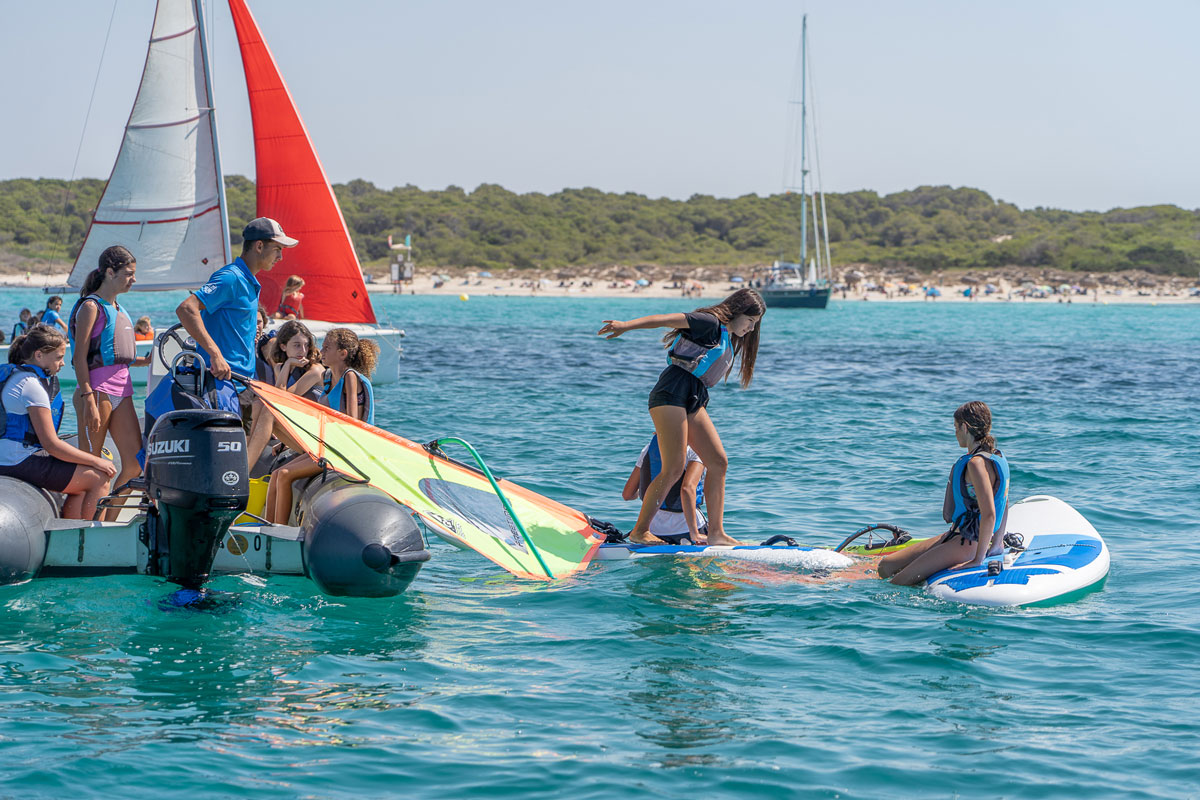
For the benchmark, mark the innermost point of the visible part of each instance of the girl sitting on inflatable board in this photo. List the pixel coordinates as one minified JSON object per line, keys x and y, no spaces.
{"x":347,"y":389}
{"x":701,"y":348}
{"x":297,"y":368}
{"x":104,"y":388}
{"x":977,"y":518}
{"x":30,"y":449}
{"x":680,"y":519}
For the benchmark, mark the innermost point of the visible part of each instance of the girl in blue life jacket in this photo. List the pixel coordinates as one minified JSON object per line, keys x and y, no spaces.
{"x":30,"y":449}
{"x":701,"y":348}
{"x":350,"y":361}
{"x":103,"y":348}
{"x":976,"y":506}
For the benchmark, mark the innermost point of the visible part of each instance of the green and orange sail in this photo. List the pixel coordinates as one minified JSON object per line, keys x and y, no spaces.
{"x":527,"y":534}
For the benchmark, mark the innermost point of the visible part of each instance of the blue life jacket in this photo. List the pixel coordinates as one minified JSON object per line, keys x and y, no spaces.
{"x":960,"y":507}
{"x":366,"y":395}
{"x":115,"y":344}
{"x":17,"y":426}
{"x":19,"y":328}
{"x":709,"y":364}
{"x":296,"y":374}
{"x":673,"y":501}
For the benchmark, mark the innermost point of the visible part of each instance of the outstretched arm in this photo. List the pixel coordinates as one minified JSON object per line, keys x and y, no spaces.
{"x":615,"y":327}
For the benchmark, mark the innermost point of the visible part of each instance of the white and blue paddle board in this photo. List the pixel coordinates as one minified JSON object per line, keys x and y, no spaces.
{"x":1064,"y":558}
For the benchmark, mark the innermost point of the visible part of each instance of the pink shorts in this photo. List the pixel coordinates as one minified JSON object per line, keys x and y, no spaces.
{"x":115,"y":381}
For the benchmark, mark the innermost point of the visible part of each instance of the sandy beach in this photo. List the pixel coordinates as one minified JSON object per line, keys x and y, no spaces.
{"x":854,"y":282}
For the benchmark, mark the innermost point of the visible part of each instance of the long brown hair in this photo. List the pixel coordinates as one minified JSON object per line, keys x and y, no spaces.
{"x":361,"y":354}
{"x":743,"y":301}
{"x":288,"y":331}
{"x":978,"y":419}
{"x":39,"y":338}
{"x":114,"y":258}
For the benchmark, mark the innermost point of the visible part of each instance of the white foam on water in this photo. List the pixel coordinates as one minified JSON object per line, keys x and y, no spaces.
{"x":786,"y":556}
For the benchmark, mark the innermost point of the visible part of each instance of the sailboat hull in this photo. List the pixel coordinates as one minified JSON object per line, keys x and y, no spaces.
{"x":815,"y":297}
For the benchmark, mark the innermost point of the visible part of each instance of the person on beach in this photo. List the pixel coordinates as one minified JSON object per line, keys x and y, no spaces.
{"x":976,"y":506}
{"x":680,"y":518}
{"x":33,"y":406}
{"x":222,"y":314}
{"x":291,"y":306}
{"x":143,"y":331}
{"x":104,"y":388}
{"x":296,"y":367}
{"x":24,"y":321}
{"x":702,"y":346}
{"x":50,"y":314}
{"x":350,"y":361}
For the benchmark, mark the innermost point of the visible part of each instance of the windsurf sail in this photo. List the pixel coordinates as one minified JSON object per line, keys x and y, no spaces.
{"x":456,"y":501}
{"x":292,"y":188}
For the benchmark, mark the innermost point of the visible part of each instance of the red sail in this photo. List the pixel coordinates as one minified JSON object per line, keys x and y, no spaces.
{"x":293,"y":189}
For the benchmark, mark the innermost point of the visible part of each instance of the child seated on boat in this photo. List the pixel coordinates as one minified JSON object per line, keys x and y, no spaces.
{"x":50,"y":315}
{"x":976,"y":506}
{"x":292,"y":304}
{"x":143,"y":331}
{"x":23,"y":323}
{"x":296,"y":366}
{"x":350,"y":362}
{"x":680,"y":518}
{"x":33,"y":405}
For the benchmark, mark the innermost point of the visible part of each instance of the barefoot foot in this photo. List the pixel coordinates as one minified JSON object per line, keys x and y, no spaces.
{"x":644,"y":537}
{"x":722,"y":539}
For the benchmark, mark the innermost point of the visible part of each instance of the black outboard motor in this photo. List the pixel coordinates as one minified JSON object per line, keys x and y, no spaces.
{"x":197,"y":483}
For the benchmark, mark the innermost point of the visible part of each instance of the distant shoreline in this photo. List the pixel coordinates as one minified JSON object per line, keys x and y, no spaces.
{"x":472,"y":284}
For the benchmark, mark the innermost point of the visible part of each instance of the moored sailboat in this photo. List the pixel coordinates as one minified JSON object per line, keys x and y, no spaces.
{"x":792,"y":284}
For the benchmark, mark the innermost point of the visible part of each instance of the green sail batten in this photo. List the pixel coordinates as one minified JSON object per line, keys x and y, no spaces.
{"x":499,"y":493}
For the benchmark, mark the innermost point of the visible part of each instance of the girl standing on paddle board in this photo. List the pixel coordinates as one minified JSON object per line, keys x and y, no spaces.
{"x":701,"y":348}
{"x":976,"y":506}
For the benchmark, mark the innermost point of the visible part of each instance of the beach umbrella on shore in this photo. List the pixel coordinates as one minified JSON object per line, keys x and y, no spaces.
{"x":642,"y":282}
{"x":736,"y":279}
{"x":485,"y":274}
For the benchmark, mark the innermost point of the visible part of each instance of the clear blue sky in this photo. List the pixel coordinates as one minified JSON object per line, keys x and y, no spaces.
{"x":1069,"y":104}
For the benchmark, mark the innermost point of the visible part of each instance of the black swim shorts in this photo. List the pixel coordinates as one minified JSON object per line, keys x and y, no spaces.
{"x":42,"y":470}
{"x":678,"y":387}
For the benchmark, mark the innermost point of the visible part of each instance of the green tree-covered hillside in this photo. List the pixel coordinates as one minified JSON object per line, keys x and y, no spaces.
{"x":932,"y":227}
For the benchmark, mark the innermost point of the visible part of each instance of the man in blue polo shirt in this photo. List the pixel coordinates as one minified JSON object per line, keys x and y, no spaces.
{"x":222,"y":315}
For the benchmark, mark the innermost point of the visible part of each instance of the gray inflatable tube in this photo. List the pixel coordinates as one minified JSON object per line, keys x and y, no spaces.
{"x":357,"y":541}
{"x":25,"y":513}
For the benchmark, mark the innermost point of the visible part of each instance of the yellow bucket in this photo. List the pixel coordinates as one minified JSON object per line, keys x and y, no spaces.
{"x":258,"y":500}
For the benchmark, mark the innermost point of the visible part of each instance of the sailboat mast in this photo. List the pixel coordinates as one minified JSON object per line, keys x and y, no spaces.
{"x":198,"y":5}
{"x":803,"y":139}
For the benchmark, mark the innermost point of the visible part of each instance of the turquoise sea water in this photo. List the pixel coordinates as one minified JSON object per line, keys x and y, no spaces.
{"x":680,"y":679}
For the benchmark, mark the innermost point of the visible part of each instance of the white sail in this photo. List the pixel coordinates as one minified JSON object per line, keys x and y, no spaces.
{"x":165,"y":199}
